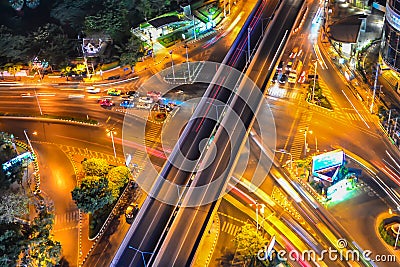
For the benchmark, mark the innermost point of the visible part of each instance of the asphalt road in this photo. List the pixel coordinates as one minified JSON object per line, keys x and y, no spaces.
{"x":190,"y":223}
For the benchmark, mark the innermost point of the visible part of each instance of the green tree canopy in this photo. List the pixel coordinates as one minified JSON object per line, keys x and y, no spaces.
{"x":92,"y":194}
{"x":131,"y":51}
{"x":117,"y":178}
{"x":13,"y":206}
{"x":12,"y":242}
{"x":95,"y":167}
{"x":249,"y":241}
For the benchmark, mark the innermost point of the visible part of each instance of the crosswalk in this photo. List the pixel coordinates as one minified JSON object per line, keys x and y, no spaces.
{"x":297,"y":148}
{"x":89,"y":153}
{"x":283,"y":93}
{"x":230,"y":228}
{"x":67,"y":217}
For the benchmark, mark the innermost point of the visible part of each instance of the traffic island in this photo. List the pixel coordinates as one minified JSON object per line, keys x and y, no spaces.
{"x":315,"y":96}
{"x":389,"y":229}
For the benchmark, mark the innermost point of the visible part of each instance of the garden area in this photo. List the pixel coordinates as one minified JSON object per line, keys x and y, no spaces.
{"x":388,"y":229}
{"x":100,"y":187}
{"x":319,"y":98}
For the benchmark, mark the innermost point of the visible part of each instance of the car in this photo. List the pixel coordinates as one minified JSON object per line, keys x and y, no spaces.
{"x":114,"y":92}
{"x":294,"y":52}
{"x":302,"y":77}
{"x":275,"y":78}
{"x":133,"y":94}
{"x":280,"y":66}
{"x":162,"y":107}
{"x":115,"y":77}
{"x":92,"y":90}
{"x":289,"y":66}
{"x":143,"y":106}
{"x":283,"y":79}
{"x":154,"y":94}
{"x":146,"y":99}
{"x":127,"y":104}
{"x":131,"y":212}
{"x":292,"y":77}
{"x":106,"y":103}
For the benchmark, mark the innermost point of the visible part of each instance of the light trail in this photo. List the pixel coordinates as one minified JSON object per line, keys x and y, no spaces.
{"x":355,"y":109}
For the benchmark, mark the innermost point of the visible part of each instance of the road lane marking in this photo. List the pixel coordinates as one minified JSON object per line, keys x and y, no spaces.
{"x":355,"y":109}
{"x":395,"y":162}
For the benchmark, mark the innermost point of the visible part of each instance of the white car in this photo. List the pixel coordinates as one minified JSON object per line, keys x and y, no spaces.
{"x":143,"y":106}
{"x":146,"y":99}
{"x":92,"y":90}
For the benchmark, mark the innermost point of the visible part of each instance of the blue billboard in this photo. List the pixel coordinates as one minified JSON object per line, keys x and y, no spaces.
{"x":327,"y":160}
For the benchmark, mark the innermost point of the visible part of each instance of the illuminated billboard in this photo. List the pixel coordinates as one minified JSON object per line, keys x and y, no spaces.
{"x":327,"y":160}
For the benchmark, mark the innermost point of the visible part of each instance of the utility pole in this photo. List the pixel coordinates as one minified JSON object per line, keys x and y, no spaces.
{"x":375,"y":85}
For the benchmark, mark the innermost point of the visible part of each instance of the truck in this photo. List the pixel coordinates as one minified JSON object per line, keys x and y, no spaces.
{"x":295,"y":71}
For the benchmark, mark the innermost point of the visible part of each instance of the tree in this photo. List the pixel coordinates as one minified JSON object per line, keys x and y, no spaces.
{"x":112,"y":20}
{"x":249,"y":241}
{"x":117,"y":178}
{"x":43,"y":250}
{"x":92,"y":194}
{"x":13,"y":48}
{"x":132,"y":51}
{"x":95,"y":167}
{"x":13,"y":206}
{"x":12,"y":242}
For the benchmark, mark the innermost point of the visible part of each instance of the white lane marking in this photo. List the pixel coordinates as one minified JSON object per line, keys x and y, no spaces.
{"x":355,"y":109}
{"x":279,"y":48}
{"x":390,"y":156}
{"x":391,"y":166}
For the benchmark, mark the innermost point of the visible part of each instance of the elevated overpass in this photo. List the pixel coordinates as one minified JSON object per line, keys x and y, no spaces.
{"x":184,"y":235}
{"x":159,"y":226}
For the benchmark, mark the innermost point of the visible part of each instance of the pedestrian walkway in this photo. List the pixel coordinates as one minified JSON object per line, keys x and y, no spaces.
{"x":297,"y":147}
{"x":230,"y":228}
{"x":90,"y":154}
{"x":207,"y":245}
{"x":283,"y":93}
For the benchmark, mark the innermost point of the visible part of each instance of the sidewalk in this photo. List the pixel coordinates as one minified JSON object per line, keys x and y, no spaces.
{"x":208,"y":244}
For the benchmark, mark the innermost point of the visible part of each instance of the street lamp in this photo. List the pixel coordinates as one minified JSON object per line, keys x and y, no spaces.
{"x":187,"y":60}
{"x":111,"y":132}
{"x":258,"y":206}
{"x":284,"y":151}
{"x":305,"y":131}
{"x":29,"y":141}
{"x":172,"y":65}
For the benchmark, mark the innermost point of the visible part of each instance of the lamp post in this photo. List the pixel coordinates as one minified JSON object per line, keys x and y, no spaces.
{"x":375,"y":85}
{"x":111,"y":132}
{"x":172,"y":65}
{"x":261,"y":207}
{"x":29,"y":141}
{"x":305,"y":139}
{"x":187,"y":60}
{"x":288,"y":153}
